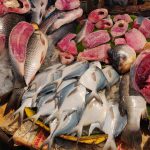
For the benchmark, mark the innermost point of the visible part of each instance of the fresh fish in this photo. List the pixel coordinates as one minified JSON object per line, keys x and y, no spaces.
{"x":111,"y":75}
{"x":124,"y":17}
{"x":67,"y":44}
{"x":145,"y":27}
{"x":11,"y":7}
{"x":38,"y":8}
{"x":106,"y":23}
{"x":67,"y":5}
{"x":72,"y":71}
{"x":140,"y":74}
{"x":96,"y":82}
{"x":68,"y":17}
{"x":96,"y":63}
{"x":87,"y":28}
{"x":17,"y":50}
{"x":36,"y":52}
{"x":120,"y":41}
{"x":49,"y":11}
{"x":135,"y":106}
{"x":99,"y":53}
{"x":96,"y":38}
{"x":122,"y":57}
{"x":48,"y":22}
{"x":66,"y":58}
{"x":135,"y":39}
{"x":97,"y":15}
{"x":120,"y":28}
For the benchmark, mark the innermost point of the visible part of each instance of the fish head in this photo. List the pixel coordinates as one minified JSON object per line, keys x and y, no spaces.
{"x":140,"y":74}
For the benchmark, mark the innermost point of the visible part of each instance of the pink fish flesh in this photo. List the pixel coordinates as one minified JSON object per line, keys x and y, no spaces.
{"x":99,"y":53}
{"x":135,"y":39}
{"x":145,"y":27}
{"x":66,"y":58}
{"x":88,"y":28}
{"x":96,"y":38}
{"x":98,"y":14}
{"x":18,"y":41}
{"x":119,"y":28}
{"x":68,"y":45}
{"x":67,"y":4}
{"x":120,"y":41}
{"x":104,"y":23}
{"x":140,"y":74}
{"x":124,"y":17}
{"x":24,"y":9}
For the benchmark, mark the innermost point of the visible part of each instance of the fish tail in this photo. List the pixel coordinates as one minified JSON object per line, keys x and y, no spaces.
{"x":48,"y":142}
{"x":51,"y":117}
{"x":14,"y":101}
{"x":132,"y":137}
{"x":110,"y":144}
{"x":92,"y":127}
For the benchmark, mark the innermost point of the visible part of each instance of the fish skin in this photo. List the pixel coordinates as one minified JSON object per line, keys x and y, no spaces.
{"x":96,"y":38}
{"x":119,"y":28}
{"x":134,"y":105}
{"x":122,"y":57}
{"x":67,"y":5}
{"x":38,"y":9}
{"x":87,"y":28}
{"x":17,"y":54}
{"x":96,"y":82}
{"x":68,"y":17}
{"x":36,"y":52}
{"x":135,"y":39}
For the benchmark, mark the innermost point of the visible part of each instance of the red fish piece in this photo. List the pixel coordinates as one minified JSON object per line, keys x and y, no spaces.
{"x":96,"y":38}
{"x":99,"y":53}
{"x":18,"y":39}
{"x":135,"y":39}
{"x":4,"y":9}
{"x":145,"y":27}
{"x":66,"y":58}
{"x":67,"y":4}
{"x":119,"y":28}
{"x":68,"y":45}
{"x":98,"y":14}
{"x":120,"y":41}
{"x":124,"y":17}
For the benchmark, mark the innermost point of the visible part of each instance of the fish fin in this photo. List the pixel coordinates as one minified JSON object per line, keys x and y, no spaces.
{"x":93,"y":95}
{"x":131,"y":137}
{"x":93,"y":126}
{"x":14,"y":101}
{"x":110,"y":143}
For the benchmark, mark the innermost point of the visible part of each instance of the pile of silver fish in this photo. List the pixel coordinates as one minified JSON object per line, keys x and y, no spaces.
{"x":105,"y":86}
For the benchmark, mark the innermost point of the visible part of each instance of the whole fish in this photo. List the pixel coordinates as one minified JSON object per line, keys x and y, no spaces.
{"x":36,"y":52}
{"x":135,"y":106}
{"x":68,"y":17}
{"x":122,"y":57}
{"x":96,"y":82}
{"x":38,"y":9}
{"x":72,"y":71}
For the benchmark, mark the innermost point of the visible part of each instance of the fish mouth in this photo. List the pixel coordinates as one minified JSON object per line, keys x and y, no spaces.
{"x":142,"y":77}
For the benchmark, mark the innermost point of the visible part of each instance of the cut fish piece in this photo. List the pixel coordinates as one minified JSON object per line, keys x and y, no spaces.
{"x":120,"y":41}
{"x":68,"y":45}
{"x":135,"y":39}
{"x":96,"y":38}
{"x":145,"y":27}
{"x":124,"y":17}
{"x":119,"y":28}
{"x":96,"y":54}
{"x":97,"y":15}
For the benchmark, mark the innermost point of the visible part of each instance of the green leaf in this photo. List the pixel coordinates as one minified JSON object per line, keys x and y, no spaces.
{"x":78,"y":28}
{"x":133,"y":17}
{"x":148,"y":40}
{"x":80,"y":47}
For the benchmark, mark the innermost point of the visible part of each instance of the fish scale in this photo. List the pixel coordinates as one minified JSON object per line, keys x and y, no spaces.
{"x":36,"y":51}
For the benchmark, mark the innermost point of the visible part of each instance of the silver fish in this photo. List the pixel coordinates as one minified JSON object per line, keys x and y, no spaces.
{"x":36,"y":52}
{"x":96,"y":82}
{"x":135,"y":106}
{"x":72,"y":71}
{"x":38,"y":9}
